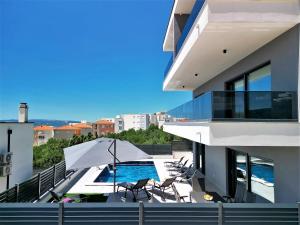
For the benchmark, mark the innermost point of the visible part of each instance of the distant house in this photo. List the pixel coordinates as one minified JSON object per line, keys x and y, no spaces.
{"x":103,"y":127}
{"x":66,"y":132}
{"x":85,"y":128}
{"x":42,"y":134}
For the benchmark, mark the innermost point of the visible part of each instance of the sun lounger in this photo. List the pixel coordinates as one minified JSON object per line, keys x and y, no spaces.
{"x":167,"y":184}
{"x":139,"y":186}
{"x":174,"y":163}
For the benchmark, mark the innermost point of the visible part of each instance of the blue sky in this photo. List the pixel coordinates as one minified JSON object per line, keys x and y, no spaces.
{"x":84,"y":59}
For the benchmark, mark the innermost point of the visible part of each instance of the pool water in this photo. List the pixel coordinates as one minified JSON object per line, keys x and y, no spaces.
{"x":264,"y":172}
{"x":131,"y":172}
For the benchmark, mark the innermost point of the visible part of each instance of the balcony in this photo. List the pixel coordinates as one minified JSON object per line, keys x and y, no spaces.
{"x":241,"y":106}
{"x":187,"y":27}
{"x":215,"y":26}
{"x":226,"y":118}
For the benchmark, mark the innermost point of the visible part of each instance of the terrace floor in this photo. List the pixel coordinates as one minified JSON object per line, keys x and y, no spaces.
{"x":86,"y":185}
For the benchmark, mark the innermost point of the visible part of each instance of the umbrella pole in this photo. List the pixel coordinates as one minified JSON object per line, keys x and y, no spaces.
{"x":115,"y":168}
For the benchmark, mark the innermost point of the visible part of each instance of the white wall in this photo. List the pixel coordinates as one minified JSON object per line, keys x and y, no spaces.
{"x":216,"y":167}
{"x":21,"y":147}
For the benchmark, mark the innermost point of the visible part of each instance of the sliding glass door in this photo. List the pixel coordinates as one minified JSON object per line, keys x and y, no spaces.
{"x":250,"y":94}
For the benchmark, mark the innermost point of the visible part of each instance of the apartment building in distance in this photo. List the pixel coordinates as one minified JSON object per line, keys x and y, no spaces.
{"x":119,"y":124}
{"x":240,"y":59}
{"x":42,"y":134}
{"x":103,"y":127}
{"x":133,"y":121}
{"x":158,"y":118}
{"x":16,"y":154}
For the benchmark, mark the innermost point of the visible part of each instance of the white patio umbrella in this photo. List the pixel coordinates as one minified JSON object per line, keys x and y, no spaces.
{"x":102,"y":151}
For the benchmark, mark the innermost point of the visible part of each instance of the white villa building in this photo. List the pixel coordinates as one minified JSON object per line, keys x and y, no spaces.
{"x":16,"y":141}
{"x":240,"y":59}
{"x":125,"y":122}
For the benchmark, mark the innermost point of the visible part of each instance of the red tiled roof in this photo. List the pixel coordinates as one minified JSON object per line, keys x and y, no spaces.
{"x":104,"y":122}
{"x":82,"y":125}
{"x":67,"y":127}
{"x":42,"y":127}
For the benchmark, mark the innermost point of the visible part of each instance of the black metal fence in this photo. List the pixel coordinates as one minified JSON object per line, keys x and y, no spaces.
{"x":149,"y":213}
{"x":166,"y":149}
{"x":163,"y":149}
{"x":32,"y":189}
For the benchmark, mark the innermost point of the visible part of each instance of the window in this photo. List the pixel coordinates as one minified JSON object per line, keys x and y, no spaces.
{"x":255,"y":172}
{"x":262,"y":177}
{"x":256,"y":80}
{"x":260,"y":80}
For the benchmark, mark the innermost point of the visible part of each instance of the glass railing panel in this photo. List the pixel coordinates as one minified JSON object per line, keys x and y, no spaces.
{"x":189,"y":23}
{"x":256,"y":105}
{"x":195,"y":110}
{"x":231,"y":105}
{"x":170,"y":63}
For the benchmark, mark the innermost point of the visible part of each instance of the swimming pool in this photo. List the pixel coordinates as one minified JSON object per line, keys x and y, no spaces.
{"x":129,"y":172}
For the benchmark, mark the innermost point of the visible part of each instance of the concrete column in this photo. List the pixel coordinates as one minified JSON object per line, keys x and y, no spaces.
{"x":196,"y":155}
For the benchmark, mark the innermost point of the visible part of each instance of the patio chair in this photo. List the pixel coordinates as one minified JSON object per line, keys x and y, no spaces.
{"x":184,"y":173}
{"x":167,"y":184}
{"x":187,"y":175}
{"x":174,"y":163}
{"x":239,"y":194}
{"x":139,"y":186}
{"x":180,"y":167}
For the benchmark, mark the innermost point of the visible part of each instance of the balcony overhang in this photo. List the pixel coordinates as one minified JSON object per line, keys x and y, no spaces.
{"x":179,"y":7}
{"x":238,"y":133}
{"x":239,"y":26}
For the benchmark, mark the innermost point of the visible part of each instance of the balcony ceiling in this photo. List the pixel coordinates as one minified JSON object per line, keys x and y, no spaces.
{"x":237,"y":133}
{"x":240,"y":33}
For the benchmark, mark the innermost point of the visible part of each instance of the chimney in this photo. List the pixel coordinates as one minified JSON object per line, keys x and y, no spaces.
{"x":23,"y":113}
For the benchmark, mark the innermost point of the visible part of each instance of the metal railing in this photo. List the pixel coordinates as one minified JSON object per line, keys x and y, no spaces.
{"x":34,"y":188}
{"x":238,"y":105}
{"x":150,"y":213}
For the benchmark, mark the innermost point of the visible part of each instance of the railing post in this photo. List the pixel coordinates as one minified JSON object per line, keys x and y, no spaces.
{"x":60,"y":213}
{"x":17,"y":192}
{"x":220,"y":213}
{"x":39,"y":186}
{"x":298,"y":213}
{"x":54,"y":175}
{"x":141,"y":213}
{"x":65,"y":175}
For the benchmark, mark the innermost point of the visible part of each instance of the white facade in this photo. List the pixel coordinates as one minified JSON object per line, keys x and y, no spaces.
{"x":21,"y":143}
{"x":135,"y":121}
{"x":119,"y":124}
{"x":158,"y":118}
